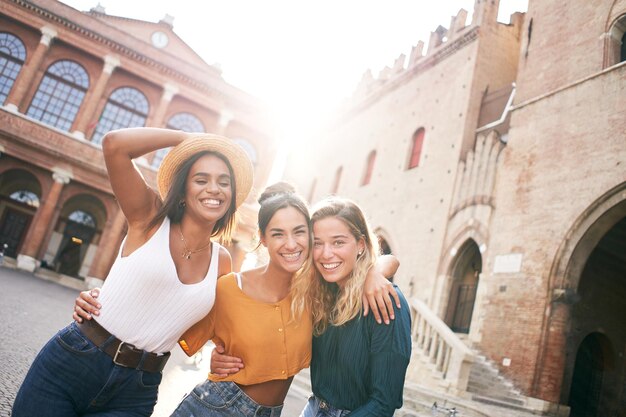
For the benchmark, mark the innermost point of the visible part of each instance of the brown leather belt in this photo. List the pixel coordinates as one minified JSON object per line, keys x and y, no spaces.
{"x":123,"y":354}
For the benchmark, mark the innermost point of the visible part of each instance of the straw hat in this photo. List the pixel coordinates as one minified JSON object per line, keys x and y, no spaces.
{"x":236,"y":156}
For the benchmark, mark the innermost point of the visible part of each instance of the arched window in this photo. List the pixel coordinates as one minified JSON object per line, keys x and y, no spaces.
{"x":126,"y":107}
{"x":83,"y":218}
{"x":369,"y":167}
{"x":337,"y":180}
{"x":416,"y":148}
{"x":12,"y":57}
{"x":466,"y":271}
{"x":312,"y":190}
{"x":617,"y":42}
{"x":385,"y":249}
{"x":248,"y":147}
{"x":186,"y":122}
{"x":26,"y":197}
{"x":60,"y":94}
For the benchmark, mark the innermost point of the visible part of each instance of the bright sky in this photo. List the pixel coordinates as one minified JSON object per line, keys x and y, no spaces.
{"x":301,"y":57}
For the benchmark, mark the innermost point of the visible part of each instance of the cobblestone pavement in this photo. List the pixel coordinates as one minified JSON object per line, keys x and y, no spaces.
{"x":32,"y":310}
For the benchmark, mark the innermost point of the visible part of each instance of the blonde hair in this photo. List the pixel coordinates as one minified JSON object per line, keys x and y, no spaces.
{"x":330,"y":304}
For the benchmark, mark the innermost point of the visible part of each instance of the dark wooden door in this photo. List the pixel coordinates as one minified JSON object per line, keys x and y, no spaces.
{"x":13,"y":229}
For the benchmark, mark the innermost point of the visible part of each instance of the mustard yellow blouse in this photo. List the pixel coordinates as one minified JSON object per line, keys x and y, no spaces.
{"x":271,"y":345}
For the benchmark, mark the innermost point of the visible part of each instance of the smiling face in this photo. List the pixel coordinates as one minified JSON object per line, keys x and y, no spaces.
{"x":335,"y":249}
{"x":287,"y":239}
{"x":208,"y":189}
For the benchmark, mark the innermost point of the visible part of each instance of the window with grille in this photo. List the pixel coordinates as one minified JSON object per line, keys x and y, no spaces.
{"x":12,"y":57}
{"x":186,"y":122}
{"x":83,"y":218}
{"x":60,"y":94}
{"x":248,"y":147}
{"x":126,"y":107}
{"x":25,"y":197}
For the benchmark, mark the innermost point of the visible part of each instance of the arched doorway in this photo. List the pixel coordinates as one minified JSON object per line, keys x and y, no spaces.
{"x":597,"y":373}
{"x":74,"y":242}
{"x":594,"y":357}
{"x":20,"y":194}
{"x":79,"y":231}
{"x":383,"y":244}
{"x":465,"y":274}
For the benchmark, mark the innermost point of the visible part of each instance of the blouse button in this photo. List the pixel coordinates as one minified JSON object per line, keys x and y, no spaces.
{"x":280,"y":329}
{"x":277,"y":308}
{"x":283,"y":372}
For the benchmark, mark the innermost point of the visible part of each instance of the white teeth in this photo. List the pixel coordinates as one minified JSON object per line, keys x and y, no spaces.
{"x":331,"y":266}
{"x":291,"y":256}
{"x":210,"y":202}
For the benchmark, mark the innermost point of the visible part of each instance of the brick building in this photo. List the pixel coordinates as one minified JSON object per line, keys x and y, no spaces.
{"x":494,"y":166}
{"x":66,"y":78}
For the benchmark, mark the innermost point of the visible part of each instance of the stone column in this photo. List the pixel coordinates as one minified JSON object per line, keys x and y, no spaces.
{"x":27,"y":74}
{"x":85,"y":117}
{"x":226,"y":117}
{"x":41,"y":224}
{"x":107,"y":250}
{"x":169,"y":91}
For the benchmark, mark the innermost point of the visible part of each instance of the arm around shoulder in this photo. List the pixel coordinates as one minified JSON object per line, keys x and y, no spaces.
{"x":197,"y":335}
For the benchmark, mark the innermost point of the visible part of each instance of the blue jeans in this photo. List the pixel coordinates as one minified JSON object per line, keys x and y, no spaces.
{"x":219,"y":399}
{"x":72,"y":377}
{"x":317,"y":407}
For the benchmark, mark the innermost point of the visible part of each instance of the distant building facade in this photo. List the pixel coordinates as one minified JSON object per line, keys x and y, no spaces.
{"x":493,"y":166}
{"x":66,"y":78}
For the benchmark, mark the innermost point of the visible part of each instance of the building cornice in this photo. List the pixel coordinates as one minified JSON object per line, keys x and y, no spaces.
{"x":133,"y":54}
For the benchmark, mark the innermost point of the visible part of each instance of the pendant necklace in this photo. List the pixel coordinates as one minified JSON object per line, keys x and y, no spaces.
{"x":188,"y":252}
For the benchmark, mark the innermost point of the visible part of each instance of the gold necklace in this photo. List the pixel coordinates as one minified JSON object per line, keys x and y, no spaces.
{"x":188,"y":252}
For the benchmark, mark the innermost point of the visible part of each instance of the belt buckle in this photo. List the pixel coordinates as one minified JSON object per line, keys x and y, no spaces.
{"x":323,"y":405}
{"x":117,"y":352}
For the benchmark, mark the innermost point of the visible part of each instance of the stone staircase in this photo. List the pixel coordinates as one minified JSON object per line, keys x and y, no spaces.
{"x":445,"y":370}
{"x":486,"y":385}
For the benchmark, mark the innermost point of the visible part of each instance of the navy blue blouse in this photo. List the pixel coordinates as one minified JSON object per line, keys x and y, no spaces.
{"x":361,"y":365}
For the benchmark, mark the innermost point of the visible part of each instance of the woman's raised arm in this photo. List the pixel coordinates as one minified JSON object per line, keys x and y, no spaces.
{"x":120,"y":147}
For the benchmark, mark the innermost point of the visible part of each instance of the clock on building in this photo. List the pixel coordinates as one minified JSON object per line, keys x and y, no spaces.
{"x":159,"y":39}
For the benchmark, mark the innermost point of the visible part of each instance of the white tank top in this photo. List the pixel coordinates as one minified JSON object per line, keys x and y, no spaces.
{"x":143,"y":301}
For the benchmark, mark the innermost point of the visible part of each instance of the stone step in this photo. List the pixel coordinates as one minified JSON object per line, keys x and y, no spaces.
{"x":505,"y":402}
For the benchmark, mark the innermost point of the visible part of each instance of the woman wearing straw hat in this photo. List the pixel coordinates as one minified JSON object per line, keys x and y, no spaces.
{"x":162,"y":282}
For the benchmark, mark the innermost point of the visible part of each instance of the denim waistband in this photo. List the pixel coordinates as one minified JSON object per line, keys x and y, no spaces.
{"x":246,"y":405}
{"x":330,"y":409}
